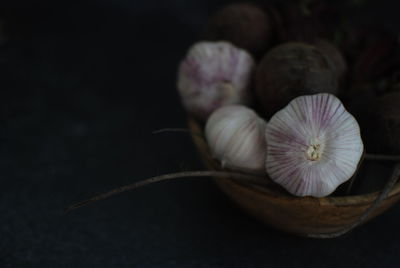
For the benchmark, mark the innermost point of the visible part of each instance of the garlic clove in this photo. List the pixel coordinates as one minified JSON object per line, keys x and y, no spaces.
{"x":235,"y":135}
{"x":214,"y":74}
{"x":313,"y":145}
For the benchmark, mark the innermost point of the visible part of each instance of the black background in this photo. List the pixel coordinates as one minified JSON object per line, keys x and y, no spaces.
{"x":82,"y":87}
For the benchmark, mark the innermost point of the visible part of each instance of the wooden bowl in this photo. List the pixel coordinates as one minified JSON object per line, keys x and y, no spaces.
{"x":297,"y":215}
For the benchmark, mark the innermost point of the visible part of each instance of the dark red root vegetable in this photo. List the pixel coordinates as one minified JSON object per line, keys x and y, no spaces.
{"x":375,"y":59}
{"x":372,"y":53}
{"x":383,"y":125}
{"x":243,"y":24}
{"x":334,"y":54}
{"x":291,"y":70}
{"x":304,"y":21}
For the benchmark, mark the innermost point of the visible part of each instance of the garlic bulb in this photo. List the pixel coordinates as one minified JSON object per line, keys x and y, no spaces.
{"x":214,"y":74}
{"x":235,"y":135}
{"x":313,"y":145}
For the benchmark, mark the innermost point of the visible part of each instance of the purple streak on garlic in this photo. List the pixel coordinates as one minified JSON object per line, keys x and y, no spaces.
{"x":235,"y":135}
{"x":314,"y":145}
{"x":214,"y":74}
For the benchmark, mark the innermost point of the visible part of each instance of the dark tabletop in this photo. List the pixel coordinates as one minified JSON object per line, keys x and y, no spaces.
{"x":82,"y":88}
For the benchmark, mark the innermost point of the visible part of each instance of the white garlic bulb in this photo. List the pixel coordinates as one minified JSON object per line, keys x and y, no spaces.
{"x":214,"y":74}
{"x":313,"y":145}
{"x":235,"y":135}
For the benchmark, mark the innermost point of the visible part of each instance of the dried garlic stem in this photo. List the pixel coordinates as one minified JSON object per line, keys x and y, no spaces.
{"x":352,"y":180}
{"x":386,"y":189}
{"x":382,"y":157}
{"x":185,"y":130}
{"x":255,"y":179}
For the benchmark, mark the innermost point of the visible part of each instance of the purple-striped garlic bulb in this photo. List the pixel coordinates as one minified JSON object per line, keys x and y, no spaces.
{"x":214,"y":74}
{"x":313,"y":145}
{"x":235,"y":135}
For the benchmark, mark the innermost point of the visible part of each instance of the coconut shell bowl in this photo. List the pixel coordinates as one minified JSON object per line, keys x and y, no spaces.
{"x":325,"y":217}
{"x":293,"y":79}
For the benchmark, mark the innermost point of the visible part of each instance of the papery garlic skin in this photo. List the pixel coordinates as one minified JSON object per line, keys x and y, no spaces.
{"x":214,"y":74}
{"x":235,"y":135}
{"x":313,"y":145}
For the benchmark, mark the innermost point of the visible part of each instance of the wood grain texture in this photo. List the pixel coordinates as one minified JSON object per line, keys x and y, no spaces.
{"x":297,"y":215}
